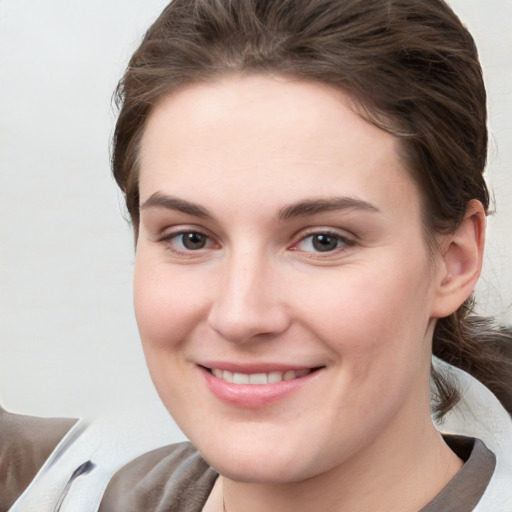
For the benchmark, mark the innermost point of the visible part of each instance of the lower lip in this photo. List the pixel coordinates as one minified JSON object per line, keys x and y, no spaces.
{"x":253,"y":396}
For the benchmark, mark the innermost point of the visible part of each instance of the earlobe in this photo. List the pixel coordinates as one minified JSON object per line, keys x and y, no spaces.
{"x":461,"y":261}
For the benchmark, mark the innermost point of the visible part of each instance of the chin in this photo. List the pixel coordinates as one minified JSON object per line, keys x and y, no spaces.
{"x":261,"y":462}
{"x":259,"y":469}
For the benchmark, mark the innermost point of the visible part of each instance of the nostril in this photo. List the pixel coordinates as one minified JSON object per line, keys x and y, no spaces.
{"x":243,"y":323}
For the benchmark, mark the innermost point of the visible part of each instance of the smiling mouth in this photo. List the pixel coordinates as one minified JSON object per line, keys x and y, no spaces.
{"x":259,"y":378}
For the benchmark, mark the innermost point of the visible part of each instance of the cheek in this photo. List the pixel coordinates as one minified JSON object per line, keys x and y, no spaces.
{"x":379,"y":300}
{"x":167,"y":309}
{"x":378,"y":329}
{"x":375,"y":318}
{"x":167,"y":305}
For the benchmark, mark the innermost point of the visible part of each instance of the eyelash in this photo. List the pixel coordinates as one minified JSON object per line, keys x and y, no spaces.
{"x":168,"y":240}
{"x":342,"y":242}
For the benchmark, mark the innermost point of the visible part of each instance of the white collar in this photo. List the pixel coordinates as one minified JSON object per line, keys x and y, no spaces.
{"x":480,"y":414}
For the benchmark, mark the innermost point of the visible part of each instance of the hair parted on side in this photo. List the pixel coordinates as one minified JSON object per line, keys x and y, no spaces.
{"x":413,"y":70}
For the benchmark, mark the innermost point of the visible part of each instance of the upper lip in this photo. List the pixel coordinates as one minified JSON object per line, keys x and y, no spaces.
{"x":251,"y":368}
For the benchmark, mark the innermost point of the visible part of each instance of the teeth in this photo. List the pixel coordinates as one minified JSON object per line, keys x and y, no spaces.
{"x":274,"y":377}
{"x":289,"y":375}
{"x":258,"y":378}
{"x":240,"y":378}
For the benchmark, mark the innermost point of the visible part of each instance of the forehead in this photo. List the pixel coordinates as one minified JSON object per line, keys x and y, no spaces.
{"x":267,"y":134}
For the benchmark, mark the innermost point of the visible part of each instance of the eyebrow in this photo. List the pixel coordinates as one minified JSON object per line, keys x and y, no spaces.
{"x":300,"y":209}
{"x":315,"y":206}
{"x":159,"y":200}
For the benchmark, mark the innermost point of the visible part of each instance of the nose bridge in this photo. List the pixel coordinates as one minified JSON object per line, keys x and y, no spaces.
{"x":247,"y":302}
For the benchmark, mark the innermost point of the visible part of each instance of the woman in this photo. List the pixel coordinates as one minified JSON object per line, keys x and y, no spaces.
{"x":305,"y":184}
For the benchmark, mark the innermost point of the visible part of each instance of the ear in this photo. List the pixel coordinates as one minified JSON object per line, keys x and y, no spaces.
{"x":460,"y":262}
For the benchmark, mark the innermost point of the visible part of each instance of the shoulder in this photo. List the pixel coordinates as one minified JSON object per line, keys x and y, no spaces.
{"x":25,"y":444}
{"x":171,"y":475}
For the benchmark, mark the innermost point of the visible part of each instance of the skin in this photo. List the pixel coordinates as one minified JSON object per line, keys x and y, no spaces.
{"x":233,"y":156}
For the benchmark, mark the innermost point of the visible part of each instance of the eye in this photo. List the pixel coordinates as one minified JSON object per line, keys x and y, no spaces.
{"x":191,"y":241}
{"x":186,"y":241}
{"x":322,"y":242}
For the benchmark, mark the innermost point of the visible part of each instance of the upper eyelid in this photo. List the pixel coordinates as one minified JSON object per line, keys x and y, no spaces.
{"x":172,"y":231}
{"x":166,"y":240}
{"x":348,"y":242}
{"x":337,"y":232}
{"x":168,"y":234}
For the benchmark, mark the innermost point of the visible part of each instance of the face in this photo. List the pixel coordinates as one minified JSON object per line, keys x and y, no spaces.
{"x":283,"y":289}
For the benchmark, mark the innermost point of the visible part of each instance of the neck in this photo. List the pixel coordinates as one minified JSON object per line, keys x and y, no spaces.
{"x":400,"y":474}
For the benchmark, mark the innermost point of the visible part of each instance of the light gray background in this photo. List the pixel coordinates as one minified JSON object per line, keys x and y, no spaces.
{"x":68,"y":339}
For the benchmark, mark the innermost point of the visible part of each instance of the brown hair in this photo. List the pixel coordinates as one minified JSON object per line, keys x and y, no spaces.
{"x":410,"y":64}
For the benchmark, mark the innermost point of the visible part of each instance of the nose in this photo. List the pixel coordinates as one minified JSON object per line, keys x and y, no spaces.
{"x":248,"y":305}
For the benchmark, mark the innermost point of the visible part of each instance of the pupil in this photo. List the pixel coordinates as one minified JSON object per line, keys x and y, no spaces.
{"x":194,"y":240}
{"x":324,"y":243}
